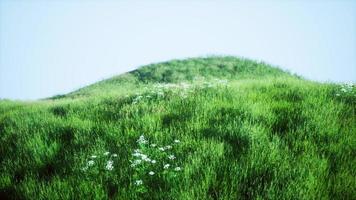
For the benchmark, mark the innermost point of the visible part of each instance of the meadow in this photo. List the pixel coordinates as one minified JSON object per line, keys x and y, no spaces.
{"x":199,"y":128}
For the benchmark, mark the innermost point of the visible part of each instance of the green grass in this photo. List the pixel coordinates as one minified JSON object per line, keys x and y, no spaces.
{"x":265,"y":134}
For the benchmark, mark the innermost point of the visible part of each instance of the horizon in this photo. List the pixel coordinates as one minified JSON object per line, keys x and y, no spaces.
{"x":51,"y":48}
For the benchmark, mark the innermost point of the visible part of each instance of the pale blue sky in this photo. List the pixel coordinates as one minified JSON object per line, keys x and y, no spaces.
{"x":49,"y":48}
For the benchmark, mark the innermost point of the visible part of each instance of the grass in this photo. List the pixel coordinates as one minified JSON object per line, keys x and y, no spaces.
{"x":246,"y":130}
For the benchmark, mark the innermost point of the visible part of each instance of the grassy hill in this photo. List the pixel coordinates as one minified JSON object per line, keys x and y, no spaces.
{"x":200,"y":128}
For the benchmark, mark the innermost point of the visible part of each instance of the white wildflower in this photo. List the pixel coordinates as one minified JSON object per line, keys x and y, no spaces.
{"x":168,"y":147}
{"x":135,"y":163}
{"x":177,"y":169}
{"x":176,"y":141}
{"x":106,"y":153}
{"x":171,"y":157}
{"x":146,"y":159}
{"x":142,"y":140}
{"x":114,"y":155}
{"x":90,"y":162}
{"x":94,"y":156}
{"x":109,"y":165}
{"x":153,"y":145}
{"x":166,"y":166}
{"x":137,"y":154}
{"x":153,"y":161}
{"x":138,"y":182}
{"x":161,"y":149}
{"x":151,"y":173}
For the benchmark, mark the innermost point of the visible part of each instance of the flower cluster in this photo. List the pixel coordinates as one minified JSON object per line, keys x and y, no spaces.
{"x":346,"y":89}
{"x":153,"y":161}
{"x":182,"y":90}
{"x":106,"y":160}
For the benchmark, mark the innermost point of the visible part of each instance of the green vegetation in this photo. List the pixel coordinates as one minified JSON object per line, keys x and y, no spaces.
{"x":237,"y":129}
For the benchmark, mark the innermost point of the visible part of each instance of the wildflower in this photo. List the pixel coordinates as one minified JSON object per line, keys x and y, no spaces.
{"x":176,"y":141}
{"x":153,"y":145}
{"x":151,"y":173}
{"x":109,"y":165}
{"x":177,"y":169}
{"x":142,"y":140}
{"x":135,"y":163}
{"x":166,"y":166}
{"x":168,"y":147}
{"x":161,"y":149}
{"x":137,"y":154}
{"x":138,"y":182}
{"x":153,"y":161}
{"x":146,"y":159}
{"x":114,"y":155}
{"x":171,"y":157}
{"x":90,"y":162}
{"x":93,"y":156}
{"x":137,"y":151}
{"x":106,"y":153}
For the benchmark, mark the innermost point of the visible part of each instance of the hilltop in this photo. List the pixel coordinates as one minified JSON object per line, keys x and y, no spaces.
{"x":187,"y":70}
{"x":199,"y":128}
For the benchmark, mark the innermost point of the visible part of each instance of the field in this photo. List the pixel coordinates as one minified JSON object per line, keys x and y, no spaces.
{"x":200,"y":128}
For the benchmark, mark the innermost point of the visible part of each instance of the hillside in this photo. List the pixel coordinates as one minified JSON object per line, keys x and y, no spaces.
{"x":200,"y":128}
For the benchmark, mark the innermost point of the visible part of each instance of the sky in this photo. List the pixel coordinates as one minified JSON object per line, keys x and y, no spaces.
{"x":55,"y":47}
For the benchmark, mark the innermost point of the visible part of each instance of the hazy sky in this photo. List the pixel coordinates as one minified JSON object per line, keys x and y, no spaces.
{"x":49,"y":48}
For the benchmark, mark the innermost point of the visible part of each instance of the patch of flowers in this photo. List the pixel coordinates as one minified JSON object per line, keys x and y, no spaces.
{"x":103,"y":161}
{"x":151,"y":161}
{"x":347,"y":89}
{"x":182,"y":90}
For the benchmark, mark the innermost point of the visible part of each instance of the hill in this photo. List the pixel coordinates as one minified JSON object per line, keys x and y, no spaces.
{"x":200,"y":128}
